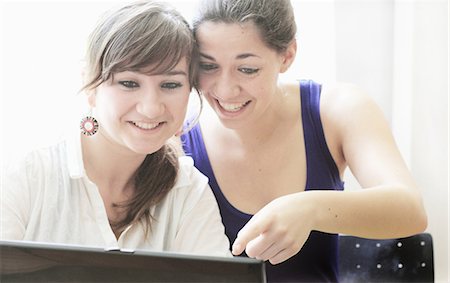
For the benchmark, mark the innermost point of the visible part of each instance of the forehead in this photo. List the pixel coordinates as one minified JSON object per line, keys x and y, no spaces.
{"x":219,"y":35}
{"x":160,"y":68}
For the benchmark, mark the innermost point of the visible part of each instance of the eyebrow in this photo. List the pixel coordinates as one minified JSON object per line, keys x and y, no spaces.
{"x":175,"y":73}
{"x":240,"y":56}
{"x":246,"y":55}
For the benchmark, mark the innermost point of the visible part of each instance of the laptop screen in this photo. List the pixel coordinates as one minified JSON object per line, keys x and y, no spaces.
{"x":43,"y":262}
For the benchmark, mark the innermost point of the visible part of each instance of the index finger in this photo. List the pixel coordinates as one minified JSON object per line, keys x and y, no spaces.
{"x":255,"y":227}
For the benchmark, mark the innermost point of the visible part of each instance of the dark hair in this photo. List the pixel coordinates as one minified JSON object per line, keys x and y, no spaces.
{"x":132,"y":38}
{"x":274,"y":18}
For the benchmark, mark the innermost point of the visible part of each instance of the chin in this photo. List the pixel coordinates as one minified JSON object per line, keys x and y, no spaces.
{"x":232,"y":124}
{"x":145,"y":149}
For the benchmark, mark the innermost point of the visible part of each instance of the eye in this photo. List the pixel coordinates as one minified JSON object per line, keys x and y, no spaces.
{"x":129,"y":84}
{"x":248,"y":71}
{"x":207,"y":66}
{"x":171,"y":85}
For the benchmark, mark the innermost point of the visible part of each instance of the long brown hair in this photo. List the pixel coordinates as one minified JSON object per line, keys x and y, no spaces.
{"x":132,"y":38}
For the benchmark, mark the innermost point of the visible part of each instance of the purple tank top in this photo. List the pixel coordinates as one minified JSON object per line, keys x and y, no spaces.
{"x":317,"y":261}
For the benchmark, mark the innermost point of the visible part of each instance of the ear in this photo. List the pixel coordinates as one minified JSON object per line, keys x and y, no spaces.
{"x":288,"y":56}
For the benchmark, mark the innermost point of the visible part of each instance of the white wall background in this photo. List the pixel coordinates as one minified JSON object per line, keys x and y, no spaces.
{"x":396,"y":49}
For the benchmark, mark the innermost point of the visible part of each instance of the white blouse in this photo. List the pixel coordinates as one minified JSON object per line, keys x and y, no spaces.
{"x":47,"y":197}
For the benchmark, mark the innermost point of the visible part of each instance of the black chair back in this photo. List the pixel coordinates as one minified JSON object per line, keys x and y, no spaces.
{"x":395,"y":260}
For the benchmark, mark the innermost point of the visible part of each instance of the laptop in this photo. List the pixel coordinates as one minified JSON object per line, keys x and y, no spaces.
{"x":22,"y":261}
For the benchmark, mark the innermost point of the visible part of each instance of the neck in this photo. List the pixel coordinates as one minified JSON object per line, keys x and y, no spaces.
{"x":109,"y":165}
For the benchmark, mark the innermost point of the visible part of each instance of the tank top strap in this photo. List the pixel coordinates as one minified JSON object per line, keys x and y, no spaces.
{"x":322,"y":172}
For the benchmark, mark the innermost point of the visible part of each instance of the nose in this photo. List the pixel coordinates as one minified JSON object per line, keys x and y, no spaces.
{"x":226,"y":87}
{"x":150,"y":104}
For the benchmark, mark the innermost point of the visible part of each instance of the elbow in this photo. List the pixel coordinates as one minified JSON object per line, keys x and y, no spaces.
{"x":422,"y":221}
{"x":420,"y":218}
{"x":413,"y":216}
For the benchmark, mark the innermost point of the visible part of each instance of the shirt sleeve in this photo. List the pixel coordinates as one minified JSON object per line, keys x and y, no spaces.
{"x":15,"y":200}
{"x":201,"y":230}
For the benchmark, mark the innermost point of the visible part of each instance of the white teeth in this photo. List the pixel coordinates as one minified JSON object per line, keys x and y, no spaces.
{"x":233,"y":107}
{"x":146,"y":126}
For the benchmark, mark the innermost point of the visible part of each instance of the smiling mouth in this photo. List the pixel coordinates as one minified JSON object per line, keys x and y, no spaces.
{"x":233,"y":107}
{"x":146,"y":126}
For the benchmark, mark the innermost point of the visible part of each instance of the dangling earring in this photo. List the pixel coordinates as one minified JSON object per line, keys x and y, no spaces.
{"x":88,"y":126}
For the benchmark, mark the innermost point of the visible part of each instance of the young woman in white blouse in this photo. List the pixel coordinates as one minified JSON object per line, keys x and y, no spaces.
{"x":119,"y":183}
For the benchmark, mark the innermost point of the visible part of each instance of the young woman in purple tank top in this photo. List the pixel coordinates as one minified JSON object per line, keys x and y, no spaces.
{"x":255,"y":138}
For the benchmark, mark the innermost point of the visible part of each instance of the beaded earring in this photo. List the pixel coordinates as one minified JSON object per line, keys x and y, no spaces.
{"x":89,"y":126}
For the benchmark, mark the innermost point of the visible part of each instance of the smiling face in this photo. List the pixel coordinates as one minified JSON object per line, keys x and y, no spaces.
{"x":140,"y":112}
{"x":238,"y":72}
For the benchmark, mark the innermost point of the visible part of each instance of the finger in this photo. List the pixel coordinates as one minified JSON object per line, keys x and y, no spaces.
{"x":278,"y":241}
{"x":255,"y":227}
{"x":268,"y":253}
{"x":287,"y":249}
{"x":283,"y":255}
{"x":258,"y":246}
{"x":271,"y":251}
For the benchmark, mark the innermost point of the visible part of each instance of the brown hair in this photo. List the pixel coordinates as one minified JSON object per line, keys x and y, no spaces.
{"x":274,"y":18}
{"x":132,"y":38}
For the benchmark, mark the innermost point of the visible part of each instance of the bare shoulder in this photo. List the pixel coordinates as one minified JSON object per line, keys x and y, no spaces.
{"x":347,"y":104}
{"x":350,"y":118}
{"x":343,"y":96}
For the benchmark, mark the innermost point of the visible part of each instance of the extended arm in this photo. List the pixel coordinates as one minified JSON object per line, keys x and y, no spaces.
{"x":390,"y":205}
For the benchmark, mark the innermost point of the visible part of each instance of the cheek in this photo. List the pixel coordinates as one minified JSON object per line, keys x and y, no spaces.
{"x":269,"y":82}
{"x":104,"y":115}
{"x":109,"y":110}
{"x":179,"y":106}
{"x":184,"y":104}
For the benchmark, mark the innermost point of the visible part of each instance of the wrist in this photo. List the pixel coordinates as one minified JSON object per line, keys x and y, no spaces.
{"x":308,"y":201}
{"x":323,"y":215}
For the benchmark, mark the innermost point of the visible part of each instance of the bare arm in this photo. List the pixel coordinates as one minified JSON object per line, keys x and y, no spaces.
{"x":389,"y":206}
